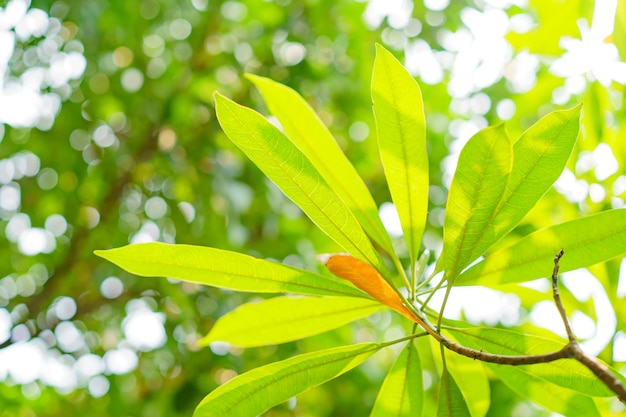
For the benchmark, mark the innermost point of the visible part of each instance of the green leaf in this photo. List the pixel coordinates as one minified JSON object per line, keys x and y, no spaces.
{"x":547,"y":395}
{"x":305,"y":129}
{"x":401,"y":131}
{"x":254,"y":392}
{"x":469,"y":376}
{"x":293,"y":173}
{"x":283,"y":319}
{"x":479,"y":181}
{"x":403,"y":388}
{"x":619,"y":31}
{"x":472,"y":380}
{"x":567,"y":373}
{"x":539,"y":157}
{"x":586,"y":241}
{"x":223,"y":269}
{"x":451,"y":401}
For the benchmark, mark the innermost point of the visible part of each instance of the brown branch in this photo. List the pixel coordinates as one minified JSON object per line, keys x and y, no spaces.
{"x":570,"y":351}
{"x":557,"y":297}
{"x":600,"y":370}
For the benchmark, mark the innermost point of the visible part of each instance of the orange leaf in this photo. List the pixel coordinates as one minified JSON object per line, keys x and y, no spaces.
{"x":366,"y":278}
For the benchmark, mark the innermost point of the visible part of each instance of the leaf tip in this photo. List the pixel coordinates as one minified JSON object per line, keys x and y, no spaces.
{"x":205,"y":341}
{"x":253,"y":78}
{"x":218,"y":97}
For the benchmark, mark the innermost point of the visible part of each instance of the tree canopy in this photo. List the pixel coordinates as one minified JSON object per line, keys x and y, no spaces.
{"x":109,"y":136}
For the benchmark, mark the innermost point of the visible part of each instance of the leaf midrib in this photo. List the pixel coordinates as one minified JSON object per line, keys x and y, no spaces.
{"x":313,"y":317}
{"x":296,"y":371}
{"x":331,"y":173}
{"x":504,"y":201}
{"x":236,"y":274}
{"x":311,"y":201}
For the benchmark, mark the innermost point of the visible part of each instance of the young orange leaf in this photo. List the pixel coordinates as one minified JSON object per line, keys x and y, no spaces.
{"x":366,"y":278}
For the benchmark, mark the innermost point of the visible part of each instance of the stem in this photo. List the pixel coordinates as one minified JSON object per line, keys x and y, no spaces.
{"x":557,"y":297}
{"x":400,"y":269}
{"x":600,"y":370}
{"x":443,"y":305}
{"x":571,"y":350}
{"x":434,"y":290}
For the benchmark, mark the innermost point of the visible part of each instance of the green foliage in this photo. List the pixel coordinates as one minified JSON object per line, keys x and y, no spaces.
{"x":223,"y":269}
{"x":402,"y":391}
{"x":588,"y":241}
{"x":451,"y":401}
{"x":401,"y":132}
{"x":284,"y":319}
{"x":109,"y":137}
{"x":479,"y":182}
{"x":496,"y":183}
{"x":256,"y":391}
{"x":289,"y":168}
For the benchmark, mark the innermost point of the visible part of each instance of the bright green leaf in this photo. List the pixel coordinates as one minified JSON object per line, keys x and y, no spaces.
{"x":401,"y":131}
{"x":469,"y":376}
{"x":472,"y":380}
{"x":586,"y":241}
{"x":539,"y":157}
{"x":568,"y":374}
{"x":451,"y":402}
{"x":545,"y":394}
{"x":223,"y":269}
{"x":294,"y":174}
{"x":254,"y":392}
{"x":402,"y":390}
{"x":283,"y":319}
{"x":619,"y":31}
{"x":479,"y":181}
{"x":305,"y":129}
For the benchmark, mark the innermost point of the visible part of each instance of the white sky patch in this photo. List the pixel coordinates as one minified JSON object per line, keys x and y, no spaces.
{"x":23,"y":361}
{"x":88,"y":366}
{"x":590,"y":55}
{"x":23,"y":101}
{"x":389,"y":216}
{"x":143,"y":328}
{"x":479,"y":305}
{"x":36,"y":240}
{"x":583,"y":285}
{"x":574,"y":190}
{"x":619,"y":347}
{"x":58,"y":372}
{"x":121,"y":361}
{"x":5,"y":325}
{"x":397,"y":12}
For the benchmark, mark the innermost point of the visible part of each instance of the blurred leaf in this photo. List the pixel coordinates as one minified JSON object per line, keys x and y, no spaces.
{"x":451,"y":401}
{"x":564,"y":373}
{"x":544,"y":37}
{"x":539,"y":157}
{"x":283,"y":319}
{"x":369,"y":280}
{"x":292,"y":172}
{"x":619,"y":28}
{"x":401,"y":131}
{"x":305,"y":129}
{"x":586,"y":241}
{"x":254,"y":392}
{"x":479,"y":181}
{"x":223,"y":269}
{"x":403,"y":389}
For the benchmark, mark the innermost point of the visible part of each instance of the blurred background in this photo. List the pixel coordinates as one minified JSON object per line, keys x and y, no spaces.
{"x":108,"y":136}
